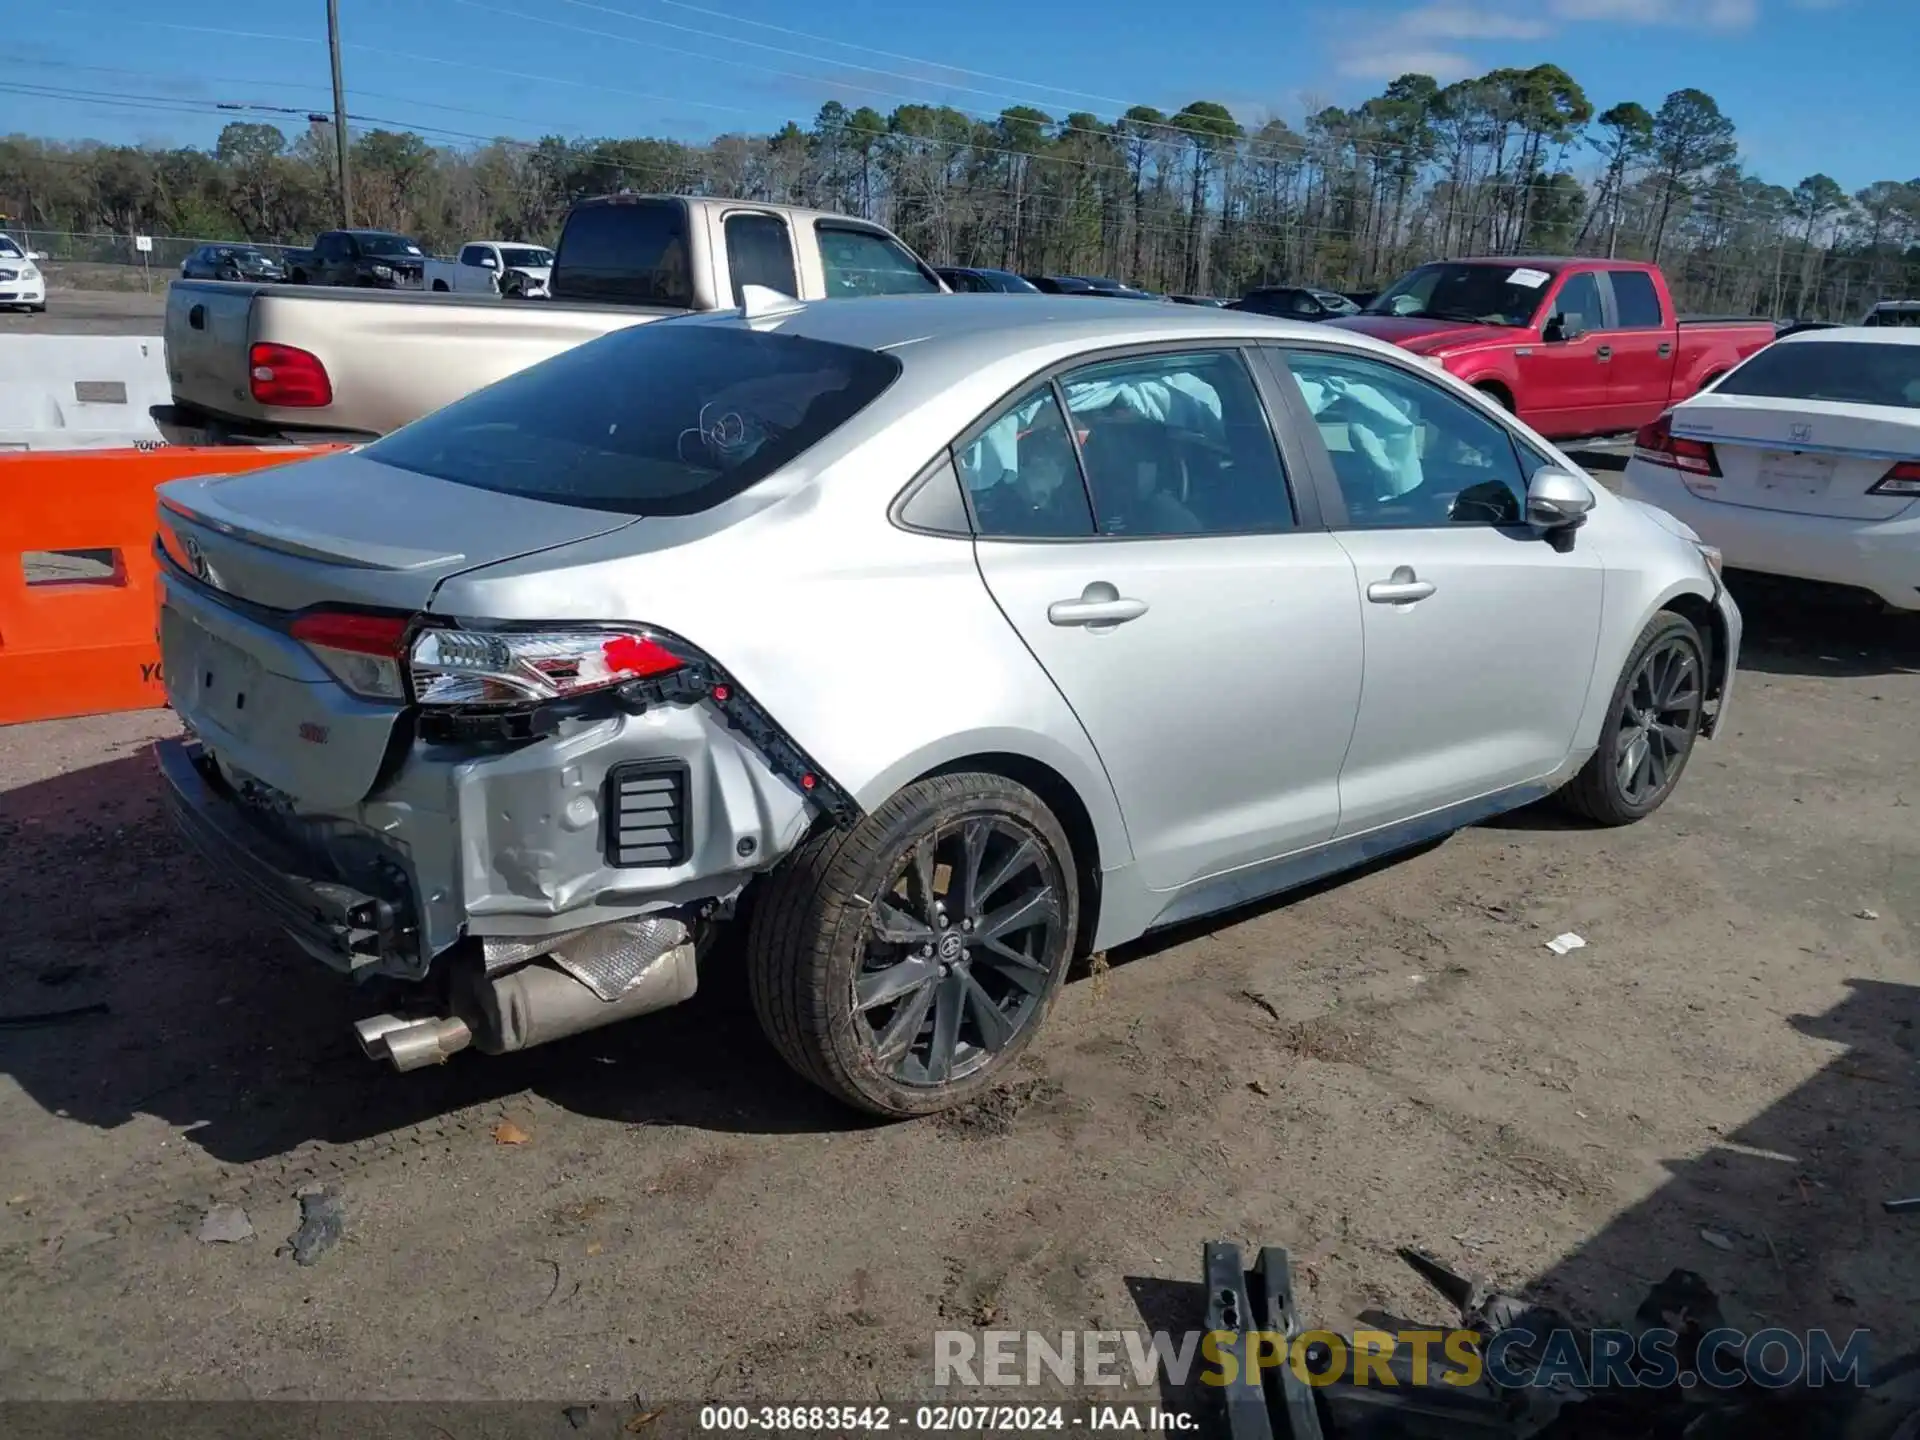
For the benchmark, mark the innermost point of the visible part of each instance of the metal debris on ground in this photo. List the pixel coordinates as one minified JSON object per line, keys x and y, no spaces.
{"x":1314,"y":1397}
{"x":1717,"y":1240}
{"x":322,"y":1220}
{"x":225,"y":1225}
{"x":1866,"y":914}
{"x":1561,"y":944}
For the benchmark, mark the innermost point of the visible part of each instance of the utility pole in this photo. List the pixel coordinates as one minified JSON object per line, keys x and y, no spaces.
{"x":339,"y":113}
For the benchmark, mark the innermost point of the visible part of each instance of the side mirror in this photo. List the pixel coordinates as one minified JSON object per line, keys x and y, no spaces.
{"x":1560,"y":329}
{"x":1557,"y":500}
{"x":487,"y":262}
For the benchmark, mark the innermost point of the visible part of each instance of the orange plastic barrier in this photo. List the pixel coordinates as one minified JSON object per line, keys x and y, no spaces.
{"x":78,"y":631}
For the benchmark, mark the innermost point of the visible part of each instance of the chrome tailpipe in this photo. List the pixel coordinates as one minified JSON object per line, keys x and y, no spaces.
{"x":413,"y":1044}
{"x":593,"y":978}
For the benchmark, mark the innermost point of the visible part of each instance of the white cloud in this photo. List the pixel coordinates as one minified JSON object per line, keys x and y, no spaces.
{"x":1458,"y":22}
{"x":1697,"y":14}
{"x":1442,"y":65}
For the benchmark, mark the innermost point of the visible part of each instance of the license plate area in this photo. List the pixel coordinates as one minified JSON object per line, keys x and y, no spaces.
{"x":1794,"y":472}
{"x":210,"y":680}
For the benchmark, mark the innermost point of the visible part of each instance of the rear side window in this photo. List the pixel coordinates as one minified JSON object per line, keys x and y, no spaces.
{"x":759,"y":253}
{"x":866,"y":262}
{"x":1637,"y":300}
{"x":625,"y":253}
{"x":1854,"y":372}
{"x":664,"y":419}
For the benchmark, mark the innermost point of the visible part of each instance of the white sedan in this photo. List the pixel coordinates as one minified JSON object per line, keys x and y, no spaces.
{"x":1803,"y":461}
{"x":21,"y":282}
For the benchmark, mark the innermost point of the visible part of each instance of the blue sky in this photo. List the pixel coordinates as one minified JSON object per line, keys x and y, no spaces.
{"x":1813,"y":85}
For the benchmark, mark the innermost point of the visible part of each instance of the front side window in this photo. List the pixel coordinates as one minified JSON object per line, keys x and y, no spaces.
{"x":759,"y":253}
{"x":1021,"y":476}
{"x":865,"y":262}
{"x":1177,"y":445}
{"x":473,"y":255}
{"x":662,"y":419}
{"x":1577,"y":307}
{"x":1404,"y":451}
{"x":1637,"y":301}
{"x":387,"y":246}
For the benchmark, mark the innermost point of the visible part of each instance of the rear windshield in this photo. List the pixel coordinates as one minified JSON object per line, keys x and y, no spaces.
{"x":663,"y":419}
{"x":1853,"y":371}
{"x":625,"y":253}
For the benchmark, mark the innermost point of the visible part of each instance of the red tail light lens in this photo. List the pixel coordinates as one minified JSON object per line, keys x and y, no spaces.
{"x":526,"y":667}
{"x":1658,"y":445}
{"x":363,"y":652}
{"x":290,"y":378}
{"x":1902,"y":479}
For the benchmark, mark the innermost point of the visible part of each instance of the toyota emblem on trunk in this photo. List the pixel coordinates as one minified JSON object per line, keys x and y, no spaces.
{"x":1800,"y":432}
{"x":197,"y":558}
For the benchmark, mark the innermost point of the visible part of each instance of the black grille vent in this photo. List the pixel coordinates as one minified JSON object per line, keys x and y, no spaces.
{"x":647,"y":814}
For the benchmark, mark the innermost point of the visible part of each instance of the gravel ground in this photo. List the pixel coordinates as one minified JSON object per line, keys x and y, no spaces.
{"x":1392,"y":1059}
{"x":93,"y":312}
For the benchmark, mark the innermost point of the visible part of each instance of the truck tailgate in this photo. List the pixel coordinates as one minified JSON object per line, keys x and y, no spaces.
{"x":390,"y":357}
{"x":207,"y":341}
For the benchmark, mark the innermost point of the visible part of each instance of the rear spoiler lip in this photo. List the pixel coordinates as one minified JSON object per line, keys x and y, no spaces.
{"x":289,"y":541}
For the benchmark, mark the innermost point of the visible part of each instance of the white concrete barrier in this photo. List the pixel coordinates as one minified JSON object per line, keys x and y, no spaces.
{"x":78,"y":392}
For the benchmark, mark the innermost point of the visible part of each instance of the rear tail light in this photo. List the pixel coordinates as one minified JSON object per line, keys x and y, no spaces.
{"x":361,"y":651}
{"x":1656,"y":444}
{"x":1902,"y":479}
{"x":506,"y":667}
{"x":284,"y":376}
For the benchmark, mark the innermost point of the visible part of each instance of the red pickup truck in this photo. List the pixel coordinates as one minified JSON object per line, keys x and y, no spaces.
{"x":1573,"y":347}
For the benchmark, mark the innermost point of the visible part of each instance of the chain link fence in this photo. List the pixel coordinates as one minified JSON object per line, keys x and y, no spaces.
{"x":100,"y":261}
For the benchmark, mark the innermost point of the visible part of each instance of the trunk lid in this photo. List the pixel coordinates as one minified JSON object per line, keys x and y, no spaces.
{"x":339,"y":531}
{"x":1808,"y":457}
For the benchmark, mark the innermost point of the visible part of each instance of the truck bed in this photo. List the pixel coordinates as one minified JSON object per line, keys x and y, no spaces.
{"x":390,"y":356}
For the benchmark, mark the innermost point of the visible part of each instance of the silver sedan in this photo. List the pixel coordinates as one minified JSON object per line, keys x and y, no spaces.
{"x":937,"y":639}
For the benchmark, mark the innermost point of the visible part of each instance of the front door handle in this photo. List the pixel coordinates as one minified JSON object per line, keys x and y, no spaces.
{"x":1665,"y":349}
{"x":1603,"y":354}
{"x":1100,"y":605}
{"x":1402,"y":589}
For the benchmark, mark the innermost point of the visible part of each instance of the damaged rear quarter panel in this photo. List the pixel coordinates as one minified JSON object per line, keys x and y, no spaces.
{"x":878,"y":651}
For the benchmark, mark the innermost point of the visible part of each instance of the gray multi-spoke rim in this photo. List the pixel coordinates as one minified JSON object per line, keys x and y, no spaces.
{"x":959,"y":949}
{"x":1658,"y":719}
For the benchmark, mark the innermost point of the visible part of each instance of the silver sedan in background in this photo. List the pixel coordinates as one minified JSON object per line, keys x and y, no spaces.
{"x":940,"y":639}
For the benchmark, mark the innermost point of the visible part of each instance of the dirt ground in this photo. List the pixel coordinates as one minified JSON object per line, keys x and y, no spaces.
{"x":1724,"y":1079}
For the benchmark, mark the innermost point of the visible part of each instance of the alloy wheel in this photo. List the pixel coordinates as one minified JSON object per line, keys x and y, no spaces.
{"x":959,"y":949}
{"x":1659,"y":717}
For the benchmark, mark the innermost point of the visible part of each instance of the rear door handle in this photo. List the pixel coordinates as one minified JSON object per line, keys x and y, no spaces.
{"x":1100,"y":605}
{"x":1603,"y":354}
{"x":1402,"y":589}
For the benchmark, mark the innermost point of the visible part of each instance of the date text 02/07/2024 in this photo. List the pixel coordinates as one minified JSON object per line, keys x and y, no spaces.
{"x":941,"y":1419}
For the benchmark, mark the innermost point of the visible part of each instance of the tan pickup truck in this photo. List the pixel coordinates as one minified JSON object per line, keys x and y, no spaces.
{"x":268,"y":364}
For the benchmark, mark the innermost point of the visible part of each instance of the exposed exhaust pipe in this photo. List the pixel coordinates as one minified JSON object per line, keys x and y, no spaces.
{"x":609,"y":973}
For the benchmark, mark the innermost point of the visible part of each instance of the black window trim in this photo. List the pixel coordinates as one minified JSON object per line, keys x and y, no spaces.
{"x":1326,"y":480}
{"x":1295,"y":460}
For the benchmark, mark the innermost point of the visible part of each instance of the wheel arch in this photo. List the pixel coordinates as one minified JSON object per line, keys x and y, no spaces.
{"x":1059,"y":796}
{"x":1497,"y":390}
{"x":1712,"y":625}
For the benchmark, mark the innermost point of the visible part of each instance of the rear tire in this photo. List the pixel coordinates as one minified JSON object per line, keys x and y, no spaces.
{"x":871,"y":959}
{"x":1653,"y":719}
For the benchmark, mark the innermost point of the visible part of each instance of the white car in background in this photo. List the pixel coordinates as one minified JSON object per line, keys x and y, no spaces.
{"x":494,"y":267}
{"x":21,"y":282}
{"x":1803,"y":461}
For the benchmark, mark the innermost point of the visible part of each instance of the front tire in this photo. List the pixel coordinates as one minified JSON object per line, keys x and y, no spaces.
{"x":904,"y":963}
{"x":1652,"y":722}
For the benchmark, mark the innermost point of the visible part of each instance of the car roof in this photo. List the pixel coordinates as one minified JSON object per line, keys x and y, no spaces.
{"x":1855,"y":334}
{"x":940,"y":329}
